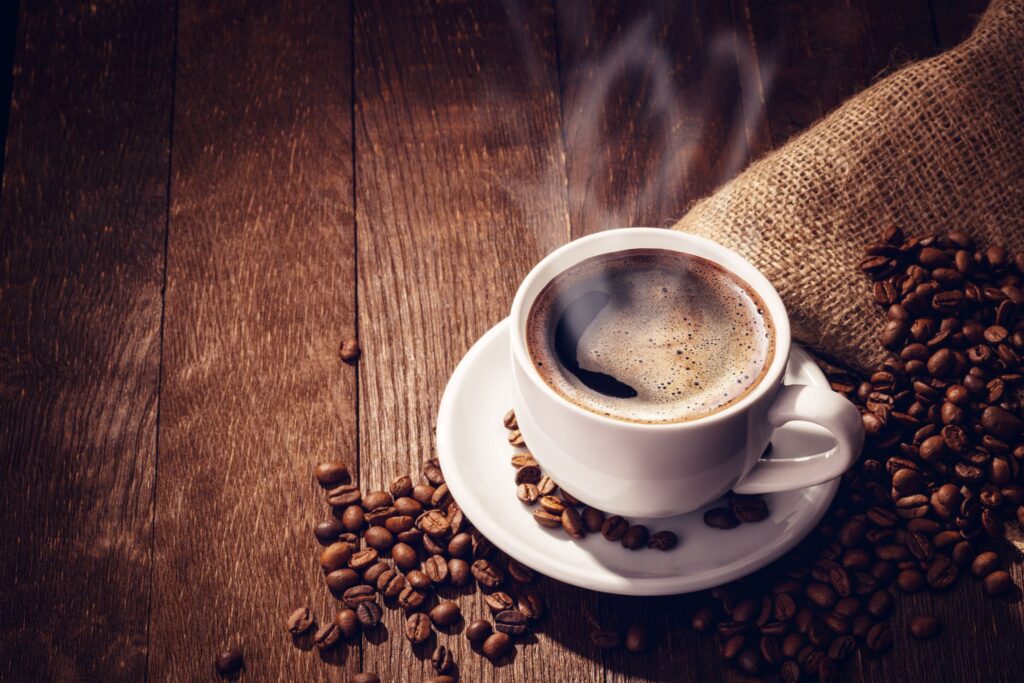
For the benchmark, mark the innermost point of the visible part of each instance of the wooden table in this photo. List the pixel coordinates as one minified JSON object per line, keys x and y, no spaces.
{"x":200,"y":199}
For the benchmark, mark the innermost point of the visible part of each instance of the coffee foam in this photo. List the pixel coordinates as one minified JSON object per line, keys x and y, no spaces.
{"x":689,"y":337}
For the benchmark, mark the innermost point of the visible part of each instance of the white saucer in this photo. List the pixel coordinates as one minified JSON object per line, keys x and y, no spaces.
{"x":474,"y":454}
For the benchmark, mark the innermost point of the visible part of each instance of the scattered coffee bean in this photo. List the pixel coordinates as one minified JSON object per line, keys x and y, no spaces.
{"x":410,"y":598}
{"x":349,"y":350}
{"x":496,"y":645}
{"x":348,"y":622}
{"x":436,"y":569}
{"x":229,"y":661}
{"x":405,"y":556}
{"x":663,"y":540}
{"x":330,"y":473}
{"x":998,"y":582}
{"x":445,"y":613}
{"x":487,"y":574}
{"x":327,"y":636}
{"x":499,"y":601}
{"x":442,"y":660}
{"x":879,"y":638}
{"x":515,"y":439}
{"x":984,"y":564}
{"x":363,"y":559}
{"x":635,"y":537}
{"x":459,"y":573}
{"x":369,"y":614}
{"x":523,"y":459}
{"x":328,"y":531}
{"x":528,"y":493}
{"x":417,"y":628}
{"x":614,"y":528}
{"x":593,"y":519}
{"x":478,"y":631}
{"x":300,"y":621}
{"x":379,"y":538}
{"x":721,"y":518}
{"x":418,"y":580}
{"x":572,"y":523}
{"x":528,"y":474}
{"x":520,"y":572}
{"x":343,"y":495}
{"x":335,"y":556}
{"x":546,"y":519}
{"x":925,"y":626}
{"x":510,"y":421}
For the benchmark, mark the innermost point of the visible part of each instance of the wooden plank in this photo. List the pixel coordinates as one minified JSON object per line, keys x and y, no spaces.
{"x":954,"y":21}
{"x":660,"y":105}
{"x":460,"y":190}
{"x":260,"y":291}
{"x":82,"y":225}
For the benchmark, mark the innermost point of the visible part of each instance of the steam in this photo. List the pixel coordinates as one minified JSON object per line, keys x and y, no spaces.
{"x":689,"y":143}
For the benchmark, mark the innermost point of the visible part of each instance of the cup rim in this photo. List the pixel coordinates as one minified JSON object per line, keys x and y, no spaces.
{"x":721,"y":256}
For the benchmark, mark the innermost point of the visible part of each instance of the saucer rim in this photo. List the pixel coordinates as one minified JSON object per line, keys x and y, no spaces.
{"x":606,"y":580}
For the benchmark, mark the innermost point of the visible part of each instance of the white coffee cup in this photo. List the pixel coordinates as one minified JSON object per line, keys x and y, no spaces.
{"x":664,"y":469}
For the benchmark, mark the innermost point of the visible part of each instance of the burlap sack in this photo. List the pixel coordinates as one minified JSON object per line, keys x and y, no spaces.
{"x":937,"y":145}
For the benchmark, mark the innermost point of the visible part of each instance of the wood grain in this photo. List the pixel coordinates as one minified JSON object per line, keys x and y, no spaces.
{"x":660,"y":106}
{"x":460,"y":190}
{"x":819,"y":54}
{"x":260,"y":291}
{"x":82,"y":223}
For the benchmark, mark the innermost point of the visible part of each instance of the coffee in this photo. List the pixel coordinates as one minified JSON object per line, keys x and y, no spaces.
{"x":650,"y":335}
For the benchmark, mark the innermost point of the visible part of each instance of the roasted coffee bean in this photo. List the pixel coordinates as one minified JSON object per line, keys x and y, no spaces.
{"x":400,"y":486}
{"x":422,"y":493}
{"x":229,"y":661}
{"x":433,"y":546}
{"x":487,"y":574}
{"x":405,"y":556}
{"x":784,"y":607}
{"x":442,"y":497}
{"x":702,"y":620}
{"x":841,"y":648}
{"x":570,"y":499}
{"x":363,"y":559}
{"x":359,"y":594}
{"x":434,"y":523}
{"x":963,"y":553}
{"x":432,"y":472}
{"x":749,"y":509}
{"x":460,"y":545}
{"x":417,"y":628}
{"x":529,"y":474}
{"x":300,"y":621}
{"x":409,"y":506}
{"x":445,"y":613}
{"x":335,"y":556}
{"x":547,"y":486}
{"x":942,"y":572}
{"x":371,"y":574}
{"x":410,"y":598}
{"x":528,"y":493}
{"x":593,"y":519}
{"x":555,"y":506}
{"x":880,"y":605}
{"x":443,"y":661}
{"x":606,"y":638}
{"x":614,"y":528}
{"x":327,"y":636}
{"x":330,"y":473}
{"x":572,"y":523}
{"x":635,"y":537}
{"x":821,"y":595}
{"x":478,"y":631}
{"x":663,"y":540}
{"x":925,"y":626}
{"x":399,"y":524}
{"x":510,"y":421}
{"x":998,"y":582}
{"x":984,"y":564}
{"x":840,"y":581}
{"x":919,"y":546}
{"x":328,"y":531}
{"x":380,"y":516}
{"x":344,"y":495}
{"x":348,"y":622}
{"x":499,"y":601}
{"x":459,"y":573}
{"x":910,"y":580}
{"x":879,"y":638}
{"x":340,"y":580}
{"x":637,"y":638}
{"x":390,"y":583}
{"x":377,"y":499}
{"x":496,"y":645}
{"x":530,"y":603}
{"x":418,"y":580}
{"x":744,"y":611}
{"x":511,"y":621}
{"x":546,"y":519}
{"x":436,"y":568}
{"x":515,"y":439}
{"x":379,"y":538}
{"x":522,"y":460}
{"x":721,"y":518}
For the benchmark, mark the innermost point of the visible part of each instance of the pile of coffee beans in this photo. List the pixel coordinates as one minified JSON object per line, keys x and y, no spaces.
{"x":939,"y":476}
{"x":564,"y":511}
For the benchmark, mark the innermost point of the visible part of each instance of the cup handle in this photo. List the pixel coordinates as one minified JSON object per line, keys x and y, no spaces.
{"x":822,"y":407}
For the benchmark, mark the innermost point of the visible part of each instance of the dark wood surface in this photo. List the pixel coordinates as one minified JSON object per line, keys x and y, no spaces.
{"x":200,"y":201}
